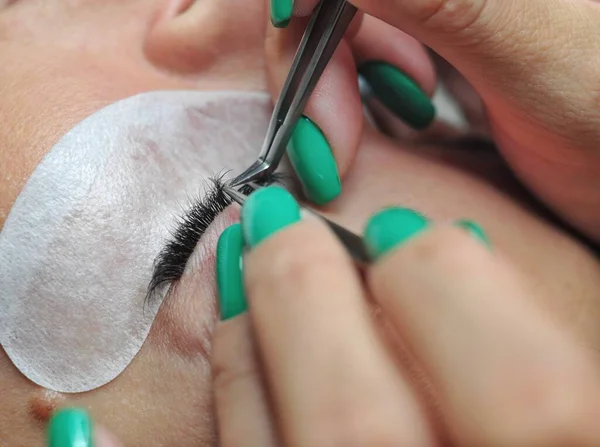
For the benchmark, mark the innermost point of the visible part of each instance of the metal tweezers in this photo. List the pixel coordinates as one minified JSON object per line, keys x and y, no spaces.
{"x":353,"y":243}
{"x":327,"y":26}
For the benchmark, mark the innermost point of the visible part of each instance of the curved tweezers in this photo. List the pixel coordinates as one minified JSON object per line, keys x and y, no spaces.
{"x":353,"y":243}
{"x":327,"y":26}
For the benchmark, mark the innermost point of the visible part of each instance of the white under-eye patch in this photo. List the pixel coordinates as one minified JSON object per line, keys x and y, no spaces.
{"x":77,"y":249}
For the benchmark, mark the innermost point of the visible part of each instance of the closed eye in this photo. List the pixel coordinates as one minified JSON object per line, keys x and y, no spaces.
{"x":170,"y":263}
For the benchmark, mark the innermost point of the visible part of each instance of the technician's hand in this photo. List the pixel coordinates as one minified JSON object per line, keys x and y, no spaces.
{"x":534,"y":63}
{"x":308,"y":364}
{"x":324,"y":143}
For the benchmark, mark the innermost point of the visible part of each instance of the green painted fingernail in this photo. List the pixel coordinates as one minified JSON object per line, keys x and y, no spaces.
{"x":311,"y":156}
{"x":399,"y":93}
{"x":267,"y":211}
{"x":71,"y":427}
{"x":230,"y":281}
{"x":475,"y":230}
{"x":281,"y":12}
{"x":392,"y":227}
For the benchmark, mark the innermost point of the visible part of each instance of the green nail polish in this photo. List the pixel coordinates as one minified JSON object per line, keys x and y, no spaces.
{"x":399,"y":93}
{"x":71,"y":427}
{"x":266,"y":211}
{"x":313,"y":161}
{"x":392,"y":227}
{"x":281,"y":12}
{"x":475,"y":231}
{"x":230,"y":281}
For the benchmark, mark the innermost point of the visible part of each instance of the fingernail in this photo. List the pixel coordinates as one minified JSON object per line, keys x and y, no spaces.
{"x":475,"y":231}
{"x":313,"y":161}
{"x":392,"y":227}
{"x":230,"y":283}
{"x":281,"y":12}
{"x":399,"y":93}
{"x":71,"y":427}
{"x":267,"y":211}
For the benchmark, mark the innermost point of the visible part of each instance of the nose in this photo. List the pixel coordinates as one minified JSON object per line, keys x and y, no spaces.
{"x":207,"y":34}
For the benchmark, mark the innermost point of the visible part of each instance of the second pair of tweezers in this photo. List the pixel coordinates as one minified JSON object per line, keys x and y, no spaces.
{"x":353,"y":243}
{"x":325,"y":30}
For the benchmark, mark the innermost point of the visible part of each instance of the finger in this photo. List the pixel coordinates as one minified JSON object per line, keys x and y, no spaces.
{"x":398,"y":70}
{"x":105,"y":439}
{"x":73,"y":427}
{"x":283,"y":10}
{"x":512,"y":52}
{"x":242,"y":409}
{"x":241,"y":406}
{"x":534,"y":65}
{"x":330,"y":378}
{"x":505,"y":375}
{"x":325,"y":140}
{"x":490,"y":40}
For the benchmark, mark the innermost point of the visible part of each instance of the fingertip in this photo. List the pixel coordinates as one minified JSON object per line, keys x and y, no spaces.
{"x":228,"y":269}
{"x":377,"y":40}
{"x":312,"y":159}
{"x":104,"y":438}
{"x":391,"y":228}
{"x":70,"y":426}
{"x":266,"y":212}
{"x":398,"y":70}
{"x":433,"y":250}
{"x":325,"y":140}
{"x":475,"y":231}
{"x":336,"y":108}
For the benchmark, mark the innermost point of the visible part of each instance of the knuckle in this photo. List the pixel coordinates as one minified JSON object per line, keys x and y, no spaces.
{"x":447,"y":16}
{"x":231,"y":367}
{"x":230,"y":375}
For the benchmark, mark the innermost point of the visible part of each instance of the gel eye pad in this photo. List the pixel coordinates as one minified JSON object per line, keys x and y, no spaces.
{"x":77,"y":249}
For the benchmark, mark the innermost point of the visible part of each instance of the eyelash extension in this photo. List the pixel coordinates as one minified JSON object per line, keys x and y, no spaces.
{"x":172,"y":259}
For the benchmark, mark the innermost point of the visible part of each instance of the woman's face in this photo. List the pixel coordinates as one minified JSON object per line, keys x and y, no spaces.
{"x":64,"y":60}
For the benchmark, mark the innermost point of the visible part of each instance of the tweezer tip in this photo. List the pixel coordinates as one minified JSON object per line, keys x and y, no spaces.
{"x":235,"y":195}
{"x":258,"y":169}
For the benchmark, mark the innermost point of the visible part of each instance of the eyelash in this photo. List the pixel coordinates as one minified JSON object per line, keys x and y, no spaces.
{"x":172,"y":259}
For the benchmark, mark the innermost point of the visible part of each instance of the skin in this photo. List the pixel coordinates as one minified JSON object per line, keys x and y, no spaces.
{"x":539,"y":88}
{"x":479,"y":363}
{"x":60,"y":51}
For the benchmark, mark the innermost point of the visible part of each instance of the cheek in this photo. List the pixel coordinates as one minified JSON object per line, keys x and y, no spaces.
{"x":187,"y":318}
{"x":23,"y":407}
{"x":160,"y":399}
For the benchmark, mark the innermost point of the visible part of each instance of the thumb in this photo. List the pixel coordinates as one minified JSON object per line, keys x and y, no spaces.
{"x":501,"y":46}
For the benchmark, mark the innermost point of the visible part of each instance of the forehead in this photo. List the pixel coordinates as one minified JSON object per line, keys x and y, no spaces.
{"x":60,"y":65}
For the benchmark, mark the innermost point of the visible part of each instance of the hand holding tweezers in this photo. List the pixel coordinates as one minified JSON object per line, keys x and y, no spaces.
{"x":353,"y":243}
{"x":327,"y":26}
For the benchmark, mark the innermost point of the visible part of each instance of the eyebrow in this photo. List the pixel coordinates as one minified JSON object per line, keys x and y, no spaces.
{"x":171,"y":261}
